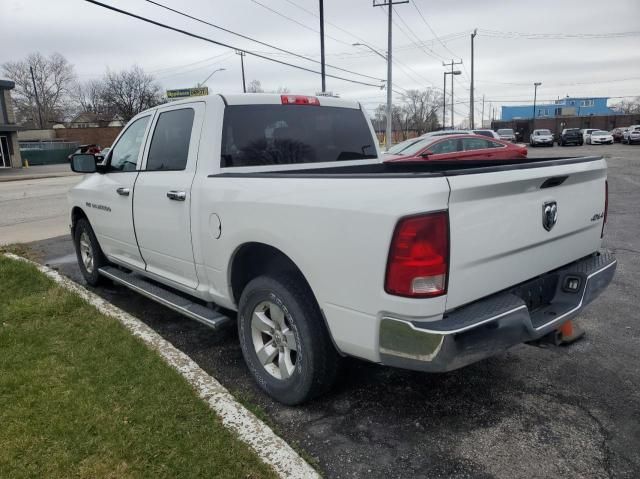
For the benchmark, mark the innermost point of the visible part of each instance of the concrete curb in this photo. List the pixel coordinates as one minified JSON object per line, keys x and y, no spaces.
{"x":272,"y":449}
{"x":37,"y":176}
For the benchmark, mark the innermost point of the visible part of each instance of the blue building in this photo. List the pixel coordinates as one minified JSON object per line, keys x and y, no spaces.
{"x":569,"y":106}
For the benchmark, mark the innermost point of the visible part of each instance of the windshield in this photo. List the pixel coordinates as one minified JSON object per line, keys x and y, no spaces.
{"x":505,"y":131}
{"x":543,"y":132}
{"x":400,"y":147}
{"x":258,"y":135}
{"x":599,"y":133}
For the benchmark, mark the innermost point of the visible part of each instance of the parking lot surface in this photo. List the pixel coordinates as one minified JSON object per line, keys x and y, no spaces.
{"x":532,"y":412}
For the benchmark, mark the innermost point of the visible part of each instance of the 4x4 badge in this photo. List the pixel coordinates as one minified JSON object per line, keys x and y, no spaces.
{"x":549,"y":214}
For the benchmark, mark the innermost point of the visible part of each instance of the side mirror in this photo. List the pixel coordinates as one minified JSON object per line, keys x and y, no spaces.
{"x":426,"y":153}
{"x":83,"y":163}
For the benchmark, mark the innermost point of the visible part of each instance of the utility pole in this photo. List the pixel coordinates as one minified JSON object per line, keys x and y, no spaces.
{"x":452,"y":73}
{"x":390,"y":4}
{"x":482,"y":120}
{"x":535,"y":94}
{"x":35,"y":90}
{"x":472,"y":104}
{"x":324,"y":81}
{"x":244,"y":85}
{"x":444,"y":101}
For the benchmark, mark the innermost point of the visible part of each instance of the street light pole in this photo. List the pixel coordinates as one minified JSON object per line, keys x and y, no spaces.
{"x":452,"y":73}
{"x":472,"y":104}
{"x":210,"y":75}
{"x":535,"y":94}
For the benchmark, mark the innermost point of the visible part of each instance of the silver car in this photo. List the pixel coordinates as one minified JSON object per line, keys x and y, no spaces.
{"x":541,"y":137}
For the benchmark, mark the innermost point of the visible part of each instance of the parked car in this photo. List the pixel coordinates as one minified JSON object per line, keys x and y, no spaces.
{"x":632,"y":135}
{"x":541,"y":137}
{"x":92,"y":149}
{"x":447,"y":132}
{"x":586,"y":132}
{"x":456,"y":147}
{"x":487,"y":133}
{"x":600,"y":137}
{"x":618,"y":134}
{"x":571,"y":136}
{"x":507,"y":134}
{"x":280,"y":207}
{"x":102,"y":155}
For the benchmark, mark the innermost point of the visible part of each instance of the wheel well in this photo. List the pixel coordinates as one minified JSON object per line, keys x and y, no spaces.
{"x":256,"y":259}
{"x":76,"y":214}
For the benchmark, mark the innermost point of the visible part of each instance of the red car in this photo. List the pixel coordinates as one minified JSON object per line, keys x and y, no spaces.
{"x":455,"y":147}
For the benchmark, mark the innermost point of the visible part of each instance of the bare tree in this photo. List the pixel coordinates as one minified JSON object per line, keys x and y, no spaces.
{"x":89,"y":96}
{"x":254,"y":86}
{"x":54,"y":78}
{"x":422,"y":109}
{"x":629,"y":107}
{"x":129,"y":92}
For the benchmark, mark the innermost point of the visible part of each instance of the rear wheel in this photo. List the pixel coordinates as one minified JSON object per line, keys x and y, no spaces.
{"x":88,"y":252}
{"x":284,"y":339}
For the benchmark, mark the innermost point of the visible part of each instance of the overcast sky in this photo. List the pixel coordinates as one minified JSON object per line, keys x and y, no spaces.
{"x":94,"y":39}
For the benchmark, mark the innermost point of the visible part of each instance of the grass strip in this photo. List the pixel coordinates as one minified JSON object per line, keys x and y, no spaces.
{"x":81,"y":397}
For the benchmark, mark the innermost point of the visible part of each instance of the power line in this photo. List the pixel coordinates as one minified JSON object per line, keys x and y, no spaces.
{"x":246,"y":37}
{"x":311,"y":12}
{"x":216,"y":42}
{"x":415,"y":5}
{"x":297,"y":22}
{"x":223,"y":58}
{"x":159,"y":70}
{"x":419,"y":42}
{"x":557,"y":36}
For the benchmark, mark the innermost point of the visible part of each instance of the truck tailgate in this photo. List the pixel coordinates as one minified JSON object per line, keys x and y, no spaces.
{"x":498,"y":236}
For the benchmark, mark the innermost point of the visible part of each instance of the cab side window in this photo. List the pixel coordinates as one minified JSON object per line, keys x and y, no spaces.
{"x":124,"y":155}
{"x":169,"y":148}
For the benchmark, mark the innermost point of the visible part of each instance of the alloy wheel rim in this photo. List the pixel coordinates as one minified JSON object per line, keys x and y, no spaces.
{"x":86,"y":252}
{"x":273,"y":340}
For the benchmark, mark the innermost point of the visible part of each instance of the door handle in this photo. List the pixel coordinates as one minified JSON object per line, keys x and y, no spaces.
{"x":177,"y":195}
{"x":123,"y":191}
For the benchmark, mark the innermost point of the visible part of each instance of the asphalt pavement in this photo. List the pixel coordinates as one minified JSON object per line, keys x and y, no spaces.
{"x":531,"y":412}
{"x":34,"y":208}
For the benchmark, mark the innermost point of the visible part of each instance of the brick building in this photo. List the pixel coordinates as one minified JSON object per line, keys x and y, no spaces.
{"x":9,"y":149}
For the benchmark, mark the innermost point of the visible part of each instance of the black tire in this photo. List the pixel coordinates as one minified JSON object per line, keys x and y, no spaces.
{"x":316,"y":359}
{"x":90,"y":272}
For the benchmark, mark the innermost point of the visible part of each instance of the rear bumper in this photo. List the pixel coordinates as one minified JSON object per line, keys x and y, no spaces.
{"x":493,"y":324}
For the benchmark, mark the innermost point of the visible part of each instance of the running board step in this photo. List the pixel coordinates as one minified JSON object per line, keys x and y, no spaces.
{"x":164,"y":296}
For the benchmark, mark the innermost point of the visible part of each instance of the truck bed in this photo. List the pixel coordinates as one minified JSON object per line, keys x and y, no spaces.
{"x":415,"y":169}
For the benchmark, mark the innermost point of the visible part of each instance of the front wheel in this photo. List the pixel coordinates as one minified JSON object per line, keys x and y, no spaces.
{"x":90,"y":256}
{"x":284,"y":339}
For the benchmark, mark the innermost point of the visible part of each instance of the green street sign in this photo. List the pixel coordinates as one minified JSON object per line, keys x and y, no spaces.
{"x":187,"y":92}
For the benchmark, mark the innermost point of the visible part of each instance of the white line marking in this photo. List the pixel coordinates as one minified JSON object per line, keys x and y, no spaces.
{"x":271,"y":448}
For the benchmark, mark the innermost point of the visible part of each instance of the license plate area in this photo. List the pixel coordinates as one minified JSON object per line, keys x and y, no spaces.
{"x":539,"y":292}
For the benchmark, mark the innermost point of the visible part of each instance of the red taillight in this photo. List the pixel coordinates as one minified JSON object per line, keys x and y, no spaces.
{"x":606,"y":206}
{"x":299,"y":100}
{"x":419,"y":256}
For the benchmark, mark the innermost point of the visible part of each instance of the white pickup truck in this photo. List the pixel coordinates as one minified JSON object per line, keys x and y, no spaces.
{"x":279,"y":207}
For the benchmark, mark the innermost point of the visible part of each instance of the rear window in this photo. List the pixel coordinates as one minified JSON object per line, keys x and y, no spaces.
{"x":505,"y":131}
{"x":256,"y":135}
{"x":484,"y":133}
